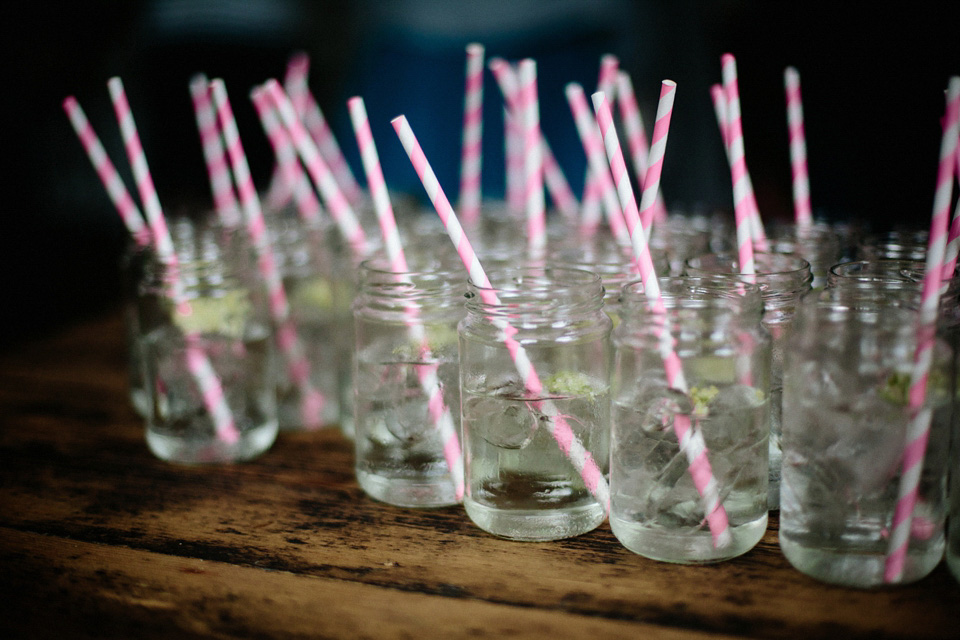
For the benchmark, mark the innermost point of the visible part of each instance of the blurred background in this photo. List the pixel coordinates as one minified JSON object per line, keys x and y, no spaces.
{"x":872,"y":86}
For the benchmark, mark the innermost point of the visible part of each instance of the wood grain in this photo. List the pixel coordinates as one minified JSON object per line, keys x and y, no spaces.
{"x":100,"y":539}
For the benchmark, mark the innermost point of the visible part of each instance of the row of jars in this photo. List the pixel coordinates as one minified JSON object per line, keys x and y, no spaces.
{"x":522,"y":401}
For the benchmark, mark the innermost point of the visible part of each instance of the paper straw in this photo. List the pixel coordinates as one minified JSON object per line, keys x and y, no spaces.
{"x":798,"y":148}
{"x":607,"y":83}
{"x":440,"y":414}
{"x":198,"y":363}
{"x":513,"y":154}
{"x":557,"y":186}
{"x":529,"y":105}
{"x":918,"y":430}
{"x":953,"y":239}
{"x":636,"y":138}
{"x":596,"y":161}
{"x":661,"y":126}
{"x":221,"y":185}
{"x":720,"y":109}
{"x":471,"y":151}
{"x":290,"y":346}
{"x":743,"y":204}
{"x":107,"y":172}
{"x":326,"y":142}
{"x":288,"y":166}
{"x":579,"y":457}
{"x":689,"y":438}
{"x":295,"y":84}
{"x":334,"y":199}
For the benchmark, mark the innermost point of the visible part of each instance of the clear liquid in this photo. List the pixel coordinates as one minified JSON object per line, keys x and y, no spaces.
{"x":318,"y":339}
{"x":179,"y":426}
{"x":655,"y":508}
{"x":520,"y":485}
{"x":841,"y":475}
{"x":399,"y":449}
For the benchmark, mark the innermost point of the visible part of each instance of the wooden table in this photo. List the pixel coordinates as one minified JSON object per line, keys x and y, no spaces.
{"x":100,"y":539}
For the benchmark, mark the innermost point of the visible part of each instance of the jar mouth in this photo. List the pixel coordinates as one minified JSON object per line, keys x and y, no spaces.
{"x":775,"y":272}
{"x":697,"y":292}
{"x":879,"y":271}
{"x":534,"y":290}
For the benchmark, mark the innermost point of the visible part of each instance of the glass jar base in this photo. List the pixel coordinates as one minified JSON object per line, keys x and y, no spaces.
{"x":666,"y":545}
{"x":252,"y":443}
{"x":534,"y":525}
{"x":860,"y":570}
{"x":406,"y":492}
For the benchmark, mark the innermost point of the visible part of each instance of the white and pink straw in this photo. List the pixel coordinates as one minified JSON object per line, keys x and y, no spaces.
{"x":291,"y":174}
{"x":218,"y":170}
{"x":798,"y":148}
{"x":322,"y":135}
{"x":569,"y":444}
{"x":596,"y":162}
{"x":918,"y":430}
{"x":471,"y":151}
{"x":557,"y":186}
{"x":440,"y":414}
{"x":637,"y":143}
{"x":744,"y":205}
{"x":198,"y":362}
{"x":535,"y":207}
{"x":289,"y":343}
{"x":689,"y":437}
{"x":336,"y":202}
{"x":107,"y":172}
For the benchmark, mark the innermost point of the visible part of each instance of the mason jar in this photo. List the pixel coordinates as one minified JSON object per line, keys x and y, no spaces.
{"x":784,"y":281}
{"x":407,"y":400}
{"x":535,"y":360}
{"x":661,"y":507}
{"x":208,"y":356}
{"x":847,"y":408}
{"x":319,"y":303}
{"x":818,"y":244}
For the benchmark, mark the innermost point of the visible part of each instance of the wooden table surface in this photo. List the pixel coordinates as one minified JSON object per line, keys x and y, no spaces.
{"x":100,"y":539}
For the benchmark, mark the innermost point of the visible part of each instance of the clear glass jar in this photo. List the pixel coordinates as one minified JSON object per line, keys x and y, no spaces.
{"x":319,"y":310}
{"x":818,"y":244}
{"x":407,"y":411}
{"x":900,"y":244}
{"x":678,"y":239}
{"x":133,"y":262}
{"x":658,"y":509}
{"x":845,"y":419}
{"x":535,"y":359}
{"x":784,"y":281}
{"x":208,"y":356}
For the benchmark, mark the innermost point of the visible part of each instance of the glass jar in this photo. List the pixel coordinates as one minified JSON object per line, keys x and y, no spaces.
{"x":208,"y":356}
{"x":846,"y":414}
{"x":660,"y":507}
{"x":899,"y":244}
{"x":407,"y":401}
{"x":784,"y":280}
{"x":319,"y":310}
{"x":535,"y":360}
{"x":818,"y":244}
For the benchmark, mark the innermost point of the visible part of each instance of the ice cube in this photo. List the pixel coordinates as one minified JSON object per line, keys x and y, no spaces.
{"x":504,"y":423}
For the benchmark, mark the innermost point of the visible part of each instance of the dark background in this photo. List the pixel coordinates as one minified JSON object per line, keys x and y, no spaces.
{"x":872,"y":85}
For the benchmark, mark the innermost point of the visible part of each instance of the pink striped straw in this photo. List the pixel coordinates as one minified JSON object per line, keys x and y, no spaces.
{"x":661,"y":126}
{"x":513,"y":154}
{"x":290,"y":346}
{"x":690,"y":438}
{"x":798,"y":148}
{"x":593,"y":189}
{"x":918,"y":431}
{"x":557,"y":186}
{"x":295,"y":84}
{"x":471,"y":152}
{"x":326,"y":142}
{"x":294,"y":179}
{"x":720,"y":109}
{"x":580,"y":458}
{"x":107,"y":172}
{"x":529,"y":105}
{"x":335,"y":200}
{"x":743,"y":204}
{"x":429,"y":381}
{"x":218,"y":172}
{"x":637,"y":138}
{"x":593,"y":147}
{"x":197,"y":361}
{"x":953,"y":240}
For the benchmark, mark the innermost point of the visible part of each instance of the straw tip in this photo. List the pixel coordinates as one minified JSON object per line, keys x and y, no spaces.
{"x":668,"y":83}
{"x":69,"y":102}
{"x":475,"y":48}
